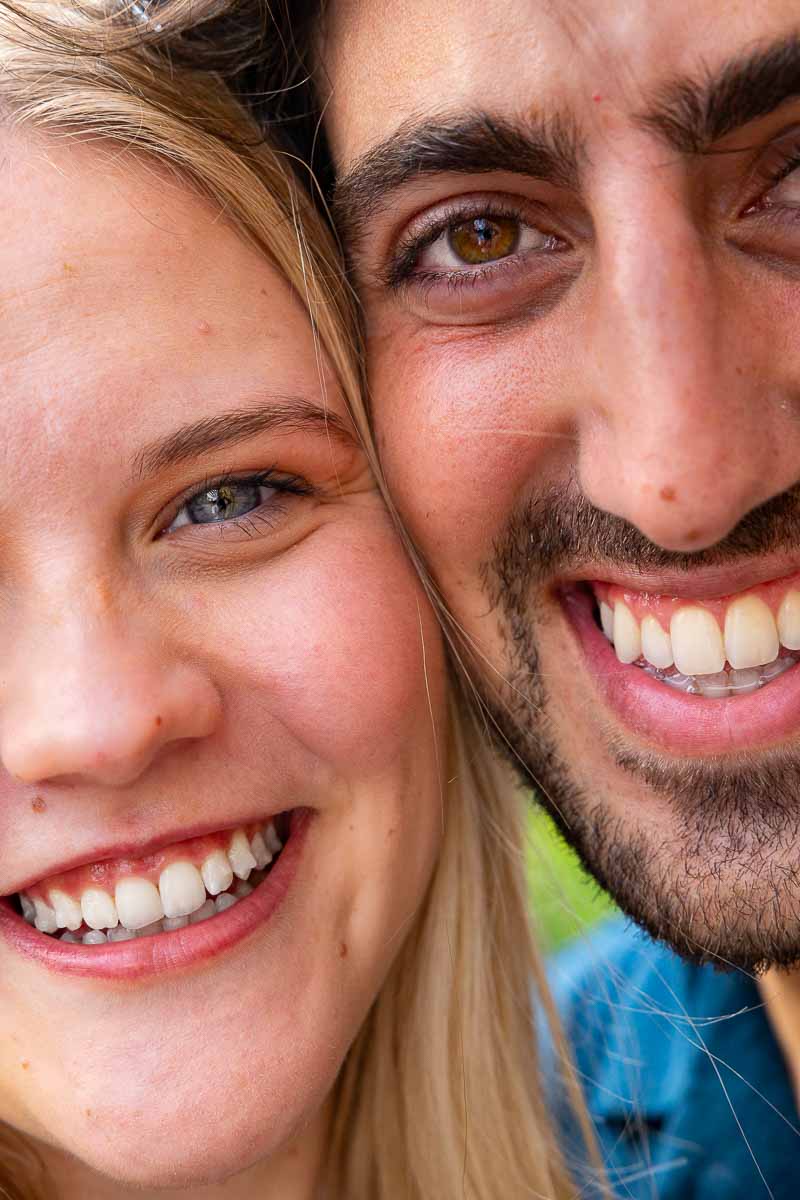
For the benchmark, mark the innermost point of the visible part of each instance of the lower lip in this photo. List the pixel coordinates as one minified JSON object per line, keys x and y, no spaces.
{"x":177,"y":950}
{"x":676,"y":722}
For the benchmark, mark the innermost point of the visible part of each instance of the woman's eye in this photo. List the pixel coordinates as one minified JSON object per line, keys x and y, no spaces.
{"x":476,"y":241}
{"x":222,"y":502}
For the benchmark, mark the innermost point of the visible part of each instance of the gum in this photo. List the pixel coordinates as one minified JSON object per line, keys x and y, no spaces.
{"x":107,"y":874}
{"x":643,"y":604}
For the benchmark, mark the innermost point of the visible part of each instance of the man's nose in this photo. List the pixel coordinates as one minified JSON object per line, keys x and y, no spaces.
{"x":96,"y":701}
{"x":687,"y":423}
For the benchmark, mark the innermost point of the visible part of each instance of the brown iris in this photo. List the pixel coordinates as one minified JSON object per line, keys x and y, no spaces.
{"x":484,"y":239}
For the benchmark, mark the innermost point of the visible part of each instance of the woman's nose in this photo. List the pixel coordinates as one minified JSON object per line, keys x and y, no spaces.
{"x":97,"y":702}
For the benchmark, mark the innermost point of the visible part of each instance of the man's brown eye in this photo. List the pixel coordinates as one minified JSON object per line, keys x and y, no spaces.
{"x":484,"y":239}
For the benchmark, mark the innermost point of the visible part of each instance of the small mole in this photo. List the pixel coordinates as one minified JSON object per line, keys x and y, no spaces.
{"x":39,"y":804}
{"x":203,"y":327}
{"x":88,"y":1112}
{"x":159,"y":720}
{"x":693,"y":535}
{"x":24,"y":1064}
{"x":667,"y":493}
{"x":343,"y":950}
{"x":69,"y":269}
{"x":597,"y":97}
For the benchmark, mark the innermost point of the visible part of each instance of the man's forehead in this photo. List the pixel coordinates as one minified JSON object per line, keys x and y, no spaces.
{"x":391,"y":61}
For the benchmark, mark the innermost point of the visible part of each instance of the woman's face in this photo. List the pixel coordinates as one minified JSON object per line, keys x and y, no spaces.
{"x":206,"y":621}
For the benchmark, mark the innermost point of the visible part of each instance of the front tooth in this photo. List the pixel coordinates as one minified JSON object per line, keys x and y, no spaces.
{"x":696,"y":641}
{"x":240,"y":855}
{"x":99,"y":910}
{"x":789,"y":621}
{"x":217,"y":873}
{"x":627,"y":638}
{"x":182,"y":889}
{"x":656,"y":644}
{"x":607,"y":620}
{"x":45,"y":920}
{"x":260,"y":852}
{"x":751,"y":638}
{"x":68,"y":912}
{"x":138,"y":902}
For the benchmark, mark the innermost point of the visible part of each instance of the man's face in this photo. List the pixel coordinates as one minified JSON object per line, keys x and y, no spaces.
{"x":576,"y":230}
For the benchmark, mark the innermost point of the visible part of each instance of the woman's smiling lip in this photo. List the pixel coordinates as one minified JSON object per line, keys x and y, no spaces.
{"x":177,"y":950}
{"x":675,"y":723}
{"x":131,"y":851}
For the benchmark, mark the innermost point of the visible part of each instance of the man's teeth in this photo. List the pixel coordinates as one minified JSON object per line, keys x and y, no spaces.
{"x":185,"y":895}
{"x":696,"y":654}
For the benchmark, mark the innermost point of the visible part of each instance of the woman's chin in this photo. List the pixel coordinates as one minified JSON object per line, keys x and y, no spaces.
{"x":174,"y":1141}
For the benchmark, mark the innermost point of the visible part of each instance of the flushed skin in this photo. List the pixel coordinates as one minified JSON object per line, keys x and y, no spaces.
{"x":159,"y":677}
{"x":617,"y":401}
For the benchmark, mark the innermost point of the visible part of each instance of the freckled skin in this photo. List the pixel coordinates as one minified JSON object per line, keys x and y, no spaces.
{"x":157,"y":679}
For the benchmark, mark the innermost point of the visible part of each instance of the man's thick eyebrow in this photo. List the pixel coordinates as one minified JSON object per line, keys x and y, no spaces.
{"x":473,"y":143}
{"x":692,"y":114}
{"x":280,"y":414}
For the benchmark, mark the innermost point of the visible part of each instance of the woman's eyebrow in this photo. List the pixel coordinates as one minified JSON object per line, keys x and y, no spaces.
{"x":279,"y":414}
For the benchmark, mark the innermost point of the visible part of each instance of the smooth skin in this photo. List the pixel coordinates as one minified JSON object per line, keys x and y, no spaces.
{"x":158,"y":676}
{"x":636,"y":355}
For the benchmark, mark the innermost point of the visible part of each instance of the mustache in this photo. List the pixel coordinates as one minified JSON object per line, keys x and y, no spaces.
{"x":559,"y":530}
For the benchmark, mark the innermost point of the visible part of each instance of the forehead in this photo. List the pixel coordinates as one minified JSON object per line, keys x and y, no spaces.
{"x":118,"y":281}
{"x":389,"y":61}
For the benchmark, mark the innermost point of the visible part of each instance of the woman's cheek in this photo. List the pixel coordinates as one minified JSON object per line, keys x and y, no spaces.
{"x":339,"y":645}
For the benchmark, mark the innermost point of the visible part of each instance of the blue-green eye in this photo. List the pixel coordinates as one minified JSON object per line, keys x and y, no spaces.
{"x":222,"y":502}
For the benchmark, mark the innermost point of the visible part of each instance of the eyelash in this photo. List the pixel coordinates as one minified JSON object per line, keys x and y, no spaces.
{"x":283,"y":485}
{"x":401,"y":274}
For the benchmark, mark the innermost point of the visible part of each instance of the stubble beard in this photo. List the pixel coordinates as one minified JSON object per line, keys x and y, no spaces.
{"x":723,"y":886}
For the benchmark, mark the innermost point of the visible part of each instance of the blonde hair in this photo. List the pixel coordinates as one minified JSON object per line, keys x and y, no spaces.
{"x":440,"y":1094}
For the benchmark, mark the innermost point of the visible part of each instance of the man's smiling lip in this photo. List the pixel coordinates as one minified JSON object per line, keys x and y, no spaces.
{"x":696,"y":583}
{"x":130,"y":850}
{"x":674,"y":723}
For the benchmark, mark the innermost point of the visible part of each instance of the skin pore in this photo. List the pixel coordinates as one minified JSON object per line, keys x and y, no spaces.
{"x":575,"y":232}
{"x":162,"y":676}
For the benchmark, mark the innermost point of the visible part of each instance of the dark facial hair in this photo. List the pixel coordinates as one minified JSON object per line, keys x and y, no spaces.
{"x":725,"y":887}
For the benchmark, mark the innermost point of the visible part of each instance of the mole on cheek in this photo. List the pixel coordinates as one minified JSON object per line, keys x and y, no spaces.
{"x":668,"y":494}
{"x":203,"y":327}
{"x":343,"y":950}
{"x":39,"y":804}
{"x":159,"y":721}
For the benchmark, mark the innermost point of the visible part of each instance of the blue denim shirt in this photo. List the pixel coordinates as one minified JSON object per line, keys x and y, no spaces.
{"x":683,"y":1077}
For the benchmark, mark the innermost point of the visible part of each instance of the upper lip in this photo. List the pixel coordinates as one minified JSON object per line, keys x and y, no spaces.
{"x":108,"y":852}
{"x":714,"y":582}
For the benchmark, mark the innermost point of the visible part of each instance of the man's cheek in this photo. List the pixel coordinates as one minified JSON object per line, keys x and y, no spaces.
{"x":464,"y":433}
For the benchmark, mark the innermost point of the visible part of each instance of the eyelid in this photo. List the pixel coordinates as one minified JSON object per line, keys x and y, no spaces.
{"x":425,"y":230}
{"x":270,"y":477}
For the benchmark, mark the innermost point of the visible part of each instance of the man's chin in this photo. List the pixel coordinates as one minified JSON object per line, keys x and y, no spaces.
{"x":717,"y":876}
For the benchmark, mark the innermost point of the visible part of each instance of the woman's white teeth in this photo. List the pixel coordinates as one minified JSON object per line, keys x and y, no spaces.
{"x":182,"y":889}
{"x":138,"y":902}
{"x":699,"y":649}
{"x":99,"y":910}
{"x":241,"y":856}
{"x":185,"y":895}
{"x":217,"y":873}
{"x":69,"y":913}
